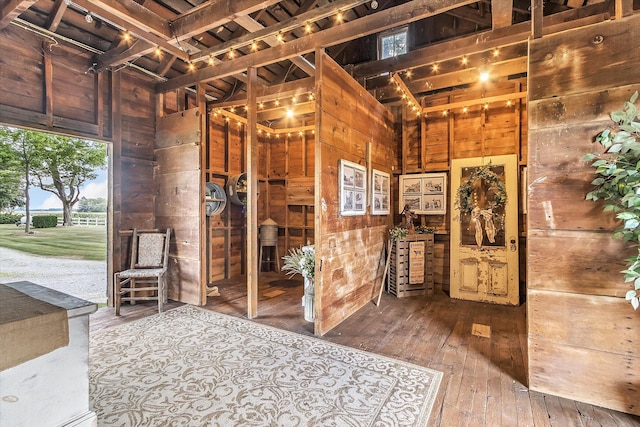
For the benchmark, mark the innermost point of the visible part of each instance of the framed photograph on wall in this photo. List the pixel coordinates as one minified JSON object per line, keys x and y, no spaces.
{"x":353,"y":188}
{"x":381,"y":193}
{"x":425,"y":194}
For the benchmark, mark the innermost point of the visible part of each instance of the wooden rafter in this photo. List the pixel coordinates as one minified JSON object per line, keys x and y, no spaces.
{"x":142,"y":27}
{"x":398,"y":15}
{"x":479,"y":101}
{"x":55,"y":16}
{"x":11,"y":9}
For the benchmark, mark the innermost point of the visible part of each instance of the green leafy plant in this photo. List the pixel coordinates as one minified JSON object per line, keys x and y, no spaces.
{"x":618,"y":183}
{"x":300,"y":261}
{"x":398,"y":233}
{"x":425,"y":230}
{"x":465,"y":196}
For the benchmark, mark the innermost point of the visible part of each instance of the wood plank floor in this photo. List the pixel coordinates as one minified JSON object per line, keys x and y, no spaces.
{"x":484,"y":378}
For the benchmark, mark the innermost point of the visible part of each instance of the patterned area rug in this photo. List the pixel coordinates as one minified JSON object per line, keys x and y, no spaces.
{"x":193,"y":367}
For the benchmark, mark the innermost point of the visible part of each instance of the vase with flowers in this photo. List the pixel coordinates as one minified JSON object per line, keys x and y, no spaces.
{"x":302,"y":261}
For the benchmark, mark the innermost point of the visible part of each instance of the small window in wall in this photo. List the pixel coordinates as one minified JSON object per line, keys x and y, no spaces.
{"x":392,"y":43}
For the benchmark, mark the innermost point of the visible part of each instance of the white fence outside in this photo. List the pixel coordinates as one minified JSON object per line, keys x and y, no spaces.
{"x":85,"y":220}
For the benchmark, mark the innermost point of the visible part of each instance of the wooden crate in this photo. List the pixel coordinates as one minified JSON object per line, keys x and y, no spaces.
{"x":398,"y":278}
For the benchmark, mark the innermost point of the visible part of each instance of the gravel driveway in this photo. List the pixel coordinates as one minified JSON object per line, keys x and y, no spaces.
{"x":83,"y":279}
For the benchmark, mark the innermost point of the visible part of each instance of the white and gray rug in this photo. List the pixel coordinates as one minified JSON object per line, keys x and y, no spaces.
{"x":194,"y":367}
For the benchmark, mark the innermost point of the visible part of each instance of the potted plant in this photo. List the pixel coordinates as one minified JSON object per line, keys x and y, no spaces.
{"x":302,"y":261}
{"x":618,"y":183}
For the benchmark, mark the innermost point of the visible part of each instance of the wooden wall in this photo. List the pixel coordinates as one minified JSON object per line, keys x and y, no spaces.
{"x":583,"y":335}
{"x":48,"y":87}
{"x":286,"y":194}
{"x":350,"y":123}
{"x":428,"y":144}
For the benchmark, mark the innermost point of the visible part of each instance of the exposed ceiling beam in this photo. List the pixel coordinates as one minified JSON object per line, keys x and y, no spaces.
{"x":11,"y":9}
{"x":215,"y":13}
{"x":479,"y":42}
{"x":250,"y":25}
{"x":270,"y":93}
{"x":132,"y":12}
{"x":281,"y":27}
{"x":136,"y":27}
{"x":398,"y":15}
{"x":55,"y":16}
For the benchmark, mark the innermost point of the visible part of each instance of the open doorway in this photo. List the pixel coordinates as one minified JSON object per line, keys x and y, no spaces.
{"x":54,"y":211}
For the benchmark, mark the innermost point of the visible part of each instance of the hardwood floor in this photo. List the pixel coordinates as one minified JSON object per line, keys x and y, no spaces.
{"x":484,"y":377}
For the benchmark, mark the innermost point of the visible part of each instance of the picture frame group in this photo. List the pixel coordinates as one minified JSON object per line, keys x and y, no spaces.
{"x":424,"y":194}
{"x":353,"y":190}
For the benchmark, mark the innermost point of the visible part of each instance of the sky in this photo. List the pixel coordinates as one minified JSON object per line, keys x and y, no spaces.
{"x":91,"y":190}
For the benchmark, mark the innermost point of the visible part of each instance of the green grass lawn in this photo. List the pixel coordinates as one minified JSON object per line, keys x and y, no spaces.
{"x":79,"y":242}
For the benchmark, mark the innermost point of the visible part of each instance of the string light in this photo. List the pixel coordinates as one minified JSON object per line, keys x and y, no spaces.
{"x":434,"y":68}
{"x":445,"y":113}
{"x":261,"y":105}
{"x":192,"y":66}
{"x":246,"y":108}
{"x":484,"y":76}
{"x":509,"y":103}
{"x":126,"y":36}
{"x":254,"y":46}
{"x":339,"y":17}
{"x":232,"y":109}
{"x":294,"y":99}
{"x":307,"y":28}
{"x":211,"y":60}
{"x":496,"y":52}
{"x":276,"y":103}
{"x":280,"y":38}
{"x":158,"y":51}
{"x":465,"y":109}
{"x":310,"y":97}
{"x":289,"y":113}
{"x":464,"y":60}
{"x":486,"y":106}
{"x":231,"y":54}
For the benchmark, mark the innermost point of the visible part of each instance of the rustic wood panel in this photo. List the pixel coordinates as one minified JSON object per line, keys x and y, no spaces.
{"x":300,"y":191}
{"x":559,"y":180}
{"x":581,"y":343}
{"x":348,"y":248}
{"x":576,"y":252}
{"x":179,"y":201}
{"x":597,"y":377}
{"x":278,"y":157}
{"x":575,"y":64}
{"x":561,"y":309}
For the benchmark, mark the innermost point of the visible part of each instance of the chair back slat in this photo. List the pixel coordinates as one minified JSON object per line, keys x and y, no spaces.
{"x":151,"y":250}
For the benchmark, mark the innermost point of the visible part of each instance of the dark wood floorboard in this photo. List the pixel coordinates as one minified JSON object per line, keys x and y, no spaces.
{"x":484,"y":378}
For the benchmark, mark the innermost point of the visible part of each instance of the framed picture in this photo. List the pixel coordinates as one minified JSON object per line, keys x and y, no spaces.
{"x":381,"y":194}
{"x":353,"y":188}
{"x":425,"y":194}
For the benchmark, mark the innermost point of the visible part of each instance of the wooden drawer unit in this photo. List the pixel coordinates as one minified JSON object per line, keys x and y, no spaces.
{"x":405,"y":279}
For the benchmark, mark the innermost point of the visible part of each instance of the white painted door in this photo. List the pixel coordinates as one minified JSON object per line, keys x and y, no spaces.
{"x":484,"y":229}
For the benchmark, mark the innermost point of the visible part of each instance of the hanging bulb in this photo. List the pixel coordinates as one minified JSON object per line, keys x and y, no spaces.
{"x":261,"y":105}
{"x":289,"y":113}
{"x":232,"y":109}
{"x":294,"y":99}
{"x":211,"y":60}
{"x":158,"y":51}
{"x":464,"y":60}
{"x":192,"y":66}
{"x":231,"y":54}
{"x":307,"y":28}
{"x":254,"y":46}
{"x":434,"y":68}
{"x":126,"y":36}
{"x":280,"y":38}
{"x":276,"y":103}
{"x":310,"y":97}
{"x":339,"y":17}
{"x":465,"y":109}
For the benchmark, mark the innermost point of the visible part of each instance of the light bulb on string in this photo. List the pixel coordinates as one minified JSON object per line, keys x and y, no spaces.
{"x":158,"y":51}
{"x":435,"y":68}
{"x":231,"y":54}
{"x":509,"y":103}
{"x":191,"y":66}
{"x":464,"y":60}
{"x":211,"y":60}
{"x":280,"y":38}
{"x":307,"y":28}
{"x":311,"y":97}
{"x":254,"y":46}
{"x":276,"y":103}
{"x":465,"y":109}
{"x":445,"y":113}
{"x":126,"y":36}
{"x":339,"y":17}
{"x":261,"y":105}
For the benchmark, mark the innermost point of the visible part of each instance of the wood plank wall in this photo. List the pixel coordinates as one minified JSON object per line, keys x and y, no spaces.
{"x":48,"y":87}
{"x":348,"y":249}
{"x":286,"y":194}
{"x":583,"y":336}
{"x":179,"y":201}
{"x":429,"y":143}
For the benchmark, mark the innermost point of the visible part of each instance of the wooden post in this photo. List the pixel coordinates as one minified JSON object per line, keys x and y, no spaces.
{"x":252,"y":194}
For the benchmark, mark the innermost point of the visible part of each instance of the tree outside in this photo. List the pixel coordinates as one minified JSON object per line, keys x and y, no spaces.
{"x":54,"y":163}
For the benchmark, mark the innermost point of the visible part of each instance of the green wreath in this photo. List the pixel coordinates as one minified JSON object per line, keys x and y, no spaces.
{"x":464,"y":197}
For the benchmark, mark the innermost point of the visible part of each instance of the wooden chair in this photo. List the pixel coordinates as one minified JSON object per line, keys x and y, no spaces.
{"x":146,"y":278}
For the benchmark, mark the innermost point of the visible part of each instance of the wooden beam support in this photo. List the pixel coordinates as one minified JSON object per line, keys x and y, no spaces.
{"x":129,"y":11}
{"x":214,"y":13}
{"x":281,"y":27}
{"x":501,"y":13}
{"x":482,"y":41}
{"x":252,"y":26}
{"x":370,"y":24}
{"x":137,"y":28}
{"x":11,"y":9}
{"x":55,"y":16}
{"x":623,"y":8}
{"x":253,"y":266}
{"x":513,"y":97}
{"x":269,"y":93}
{"x":537,"y":18}
{"x":413,"y":102}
